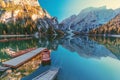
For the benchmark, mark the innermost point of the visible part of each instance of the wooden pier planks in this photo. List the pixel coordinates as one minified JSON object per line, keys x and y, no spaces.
{"x":15,"y":62}
{"x":3,"y":68}
{"x":48,"y":75}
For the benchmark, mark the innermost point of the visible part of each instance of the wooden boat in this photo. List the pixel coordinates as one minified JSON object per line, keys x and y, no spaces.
{"x":3,"y":40}
{"x":3,"y":68}
{"x":46,"y":60}
{"x":48,"y":75}
{"x":45,"y":55}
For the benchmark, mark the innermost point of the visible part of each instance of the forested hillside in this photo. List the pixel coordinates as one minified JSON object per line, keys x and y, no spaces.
{"x":20,"y":16}
{"x":112,"y":27}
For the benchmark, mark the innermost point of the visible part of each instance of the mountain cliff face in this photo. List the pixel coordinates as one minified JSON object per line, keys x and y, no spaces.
{"x":112,"y":27}
{"x":67,"y":22}
{"x":14,"y":9}
{"x":88,"y":19}
{"x":23,"y":17}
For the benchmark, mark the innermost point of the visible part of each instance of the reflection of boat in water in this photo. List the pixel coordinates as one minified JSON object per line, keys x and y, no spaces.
{"x":3,"y":40}
{"x":46,"y":57}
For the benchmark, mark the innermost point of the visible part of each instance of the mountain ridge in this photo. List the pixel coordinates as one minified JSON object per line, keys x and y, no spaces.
{"x":89,"y":19}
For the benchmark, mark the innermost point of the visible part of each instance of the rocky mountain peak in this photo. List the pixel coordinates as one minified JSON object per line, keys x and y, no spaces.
{"x":89,"y":18}
{"x":16,"y":9}
{"x":26,"y":17}
{"x":23,"y":2}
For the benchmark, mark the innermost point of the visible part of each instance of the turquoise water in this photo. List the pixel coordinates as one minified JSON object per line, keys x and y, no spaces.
{"x":75,"y":67}
{"x":79,"y":58}
{"x":82,"y":58}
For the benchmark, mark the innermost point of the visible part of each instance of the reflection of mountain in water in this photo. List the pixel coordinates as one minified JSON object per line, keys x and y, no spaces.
{"x":15,"y":45}
{"x":82,"y":45}
{"x":50,"y":42}
{"x":71,"y":64}
{"x":86,"y":47}
{"x":112,"y":43}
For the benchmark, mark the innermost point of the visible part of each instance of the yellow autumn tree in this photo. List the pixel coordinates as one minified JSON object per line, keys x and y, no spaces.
{"x":2,"y":4}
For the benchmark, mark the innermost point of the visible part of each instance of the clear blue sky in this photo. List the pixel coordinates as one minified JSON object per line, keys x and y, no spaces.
{"x":64,"y":8}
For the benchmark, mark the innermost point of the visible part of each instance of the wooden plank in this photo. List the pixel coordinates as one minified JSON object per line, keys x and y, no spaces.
{"x":15,"y":62}
{"x":14,"y":35}
{"x":48,"y":75}
{"x":3,"y":68}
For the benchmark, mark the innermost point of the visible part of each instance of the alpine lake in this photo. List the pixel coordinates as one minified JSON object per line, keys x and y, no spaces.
{"x":78,"y":57}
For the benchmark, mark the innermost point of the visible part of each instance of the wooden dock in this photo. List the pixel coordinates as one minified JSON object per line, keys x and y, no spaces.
{"x":3,"y":68}
{"x":16,"y":62}
{"x":48,"y":75}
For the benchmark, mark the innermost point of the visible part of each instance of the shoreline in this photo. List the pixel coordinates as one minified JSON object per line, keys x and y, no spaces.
{"x":102,"y":35}
{"x":15,"y":35}
{"x":115,"y":36}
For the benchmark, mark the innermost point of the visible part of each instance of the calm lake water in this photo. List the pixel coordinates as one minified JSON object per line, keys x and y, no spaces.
{"x":79,"y":58}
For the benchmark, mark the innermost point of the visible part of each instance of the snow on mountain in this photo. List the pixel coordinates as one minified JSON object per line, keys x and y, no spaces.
{"x":89,"y":18}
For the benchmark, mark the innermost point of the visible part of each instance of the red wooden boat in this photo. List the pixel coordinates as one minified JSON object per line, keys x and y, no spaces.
{"x":45,"y":55}
{"x":46,"y":60}
{"x":3,"y":40}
